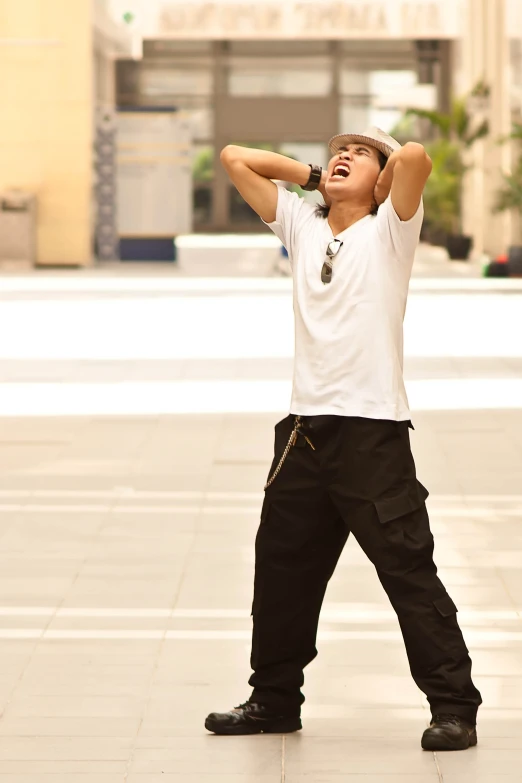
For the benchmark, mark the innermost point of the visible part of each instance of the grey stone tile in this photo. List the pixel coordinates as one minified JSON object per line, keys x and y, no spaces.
{"x":64,"y":749}
{"x":199,"y":697}
{"x":482,"y":777}
{"x":349,"y":685}
{"x":487,"y":595}
{"x":487,"y":661}
{"x":230,"y":476}
{"x":202,"y":755}
{"x":212,"y":777}
{"x":66,"y":777}
{"x":482,"y":761}
{"x":107,"y":651}
{"x":404,"y":777}
{"x":320,"y":755}
{"x":133,"y":683}
{"x":323,"y":719}
{"x":75,"y":706}
{"x":48,"y":726}
{"x":41,"y":769}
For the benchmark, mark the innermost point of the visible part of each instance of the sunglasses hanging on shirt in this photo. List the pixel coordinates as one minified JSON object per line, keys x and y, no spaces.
{"x":331,"y":251}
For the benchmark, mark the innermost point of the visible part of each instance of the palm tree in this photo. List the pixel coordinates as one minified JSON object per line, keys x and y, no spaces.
{"x":510,"y":196}
{"x":455,"y":134}
{"x":457,"y":125}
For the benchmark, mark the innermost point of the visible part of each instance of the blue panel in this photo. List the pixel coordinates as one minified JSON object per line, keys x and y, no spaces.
{"x":148,"y":249}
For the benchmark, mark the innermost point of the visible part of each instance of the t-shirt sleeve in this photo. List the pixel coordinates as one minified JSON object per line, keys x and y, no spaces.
{"x":292,"y":212}
{"x":401,"y":235}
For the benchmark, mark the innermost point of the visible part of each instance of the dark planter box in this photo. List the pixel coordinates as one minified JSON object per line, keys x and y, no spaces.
{"x":497,"y":269}
{"x":459,"y":246}
{"x":514,"y":261}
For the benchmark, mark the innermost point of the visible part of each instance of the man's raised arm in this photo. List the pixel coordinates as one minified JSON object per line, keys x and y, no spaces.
{"x":252,"y":172}
{"x":405,"y":175}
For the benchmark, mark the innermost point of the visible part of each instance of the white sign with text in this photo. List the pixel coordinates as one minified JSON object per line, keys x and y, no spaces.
{"x":307,"y":19}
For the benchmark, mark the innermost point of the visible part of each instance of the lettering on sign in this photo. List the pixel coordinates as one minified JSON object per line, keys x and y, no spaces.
{"x":333,"y":18}
{"x":307,"y":19}
{"x":242,"y":18}
{"x":209,"y":19}
{"x":416,"y":18}
{"x":182,"y":19}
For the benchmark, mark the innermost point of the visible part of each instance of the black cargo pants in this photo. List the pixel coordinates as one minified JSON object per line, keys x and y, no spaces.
{"x":361,"y":478}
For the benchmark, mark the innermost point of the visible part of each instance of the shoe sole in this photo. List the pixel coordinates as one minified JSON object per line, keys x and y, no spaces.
{"x":285,"y":726}
{"x":438,"y":743}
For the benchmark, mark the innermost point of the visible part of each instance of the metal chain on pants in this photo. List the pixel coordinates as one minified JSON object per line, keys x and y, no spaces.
{"x":291,"y":442}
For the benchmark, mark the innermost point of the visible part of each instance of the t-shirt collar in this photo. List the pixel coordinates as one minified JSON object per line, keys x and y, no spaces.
{"x":344,"y":232}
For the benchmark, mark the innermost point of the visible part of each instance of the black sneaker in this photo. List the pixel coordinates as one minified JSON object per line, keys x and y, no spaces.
{"x":449,"y":732}
{"x":251,"y":718}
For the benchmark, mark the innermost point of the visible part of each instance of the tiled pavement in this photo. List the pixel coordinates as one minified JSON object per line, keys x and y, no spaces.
{"x":135,"y":437}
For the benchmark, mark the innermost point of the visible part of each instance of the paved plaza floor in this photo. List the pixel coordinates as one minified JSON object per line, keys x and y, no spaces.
{"x":136,"y":432}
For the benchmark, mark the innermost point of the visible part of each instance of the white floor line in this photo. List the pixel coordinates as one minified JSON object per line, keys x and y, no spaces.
{"x":356,"y":615}
{"x":135,"y":494}
{"x":132,"y":494}
{"x":457,"y":511}
{"x":202,"y":635}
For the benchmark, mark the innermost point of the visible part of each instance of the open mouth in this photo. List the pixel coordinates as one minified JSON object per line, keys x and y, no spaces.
{"x":341,"y":171}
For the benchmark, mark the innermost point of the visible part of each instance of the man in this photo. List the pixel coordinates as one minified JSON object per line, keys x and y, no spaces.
{"x":343,"y":461}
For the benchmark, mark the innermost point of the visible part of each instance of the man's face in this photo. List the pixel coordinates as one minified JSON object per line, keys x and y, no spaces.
{"x":353,"y":173}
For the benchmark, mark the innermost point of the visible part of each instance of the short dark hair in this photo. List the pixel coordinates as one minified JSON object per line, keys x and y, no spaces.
{"x":323,"y":210}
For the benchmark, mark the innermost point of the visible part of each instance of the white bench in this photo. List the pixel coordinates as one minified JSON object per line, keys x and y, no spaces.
{"x":232,"y":255}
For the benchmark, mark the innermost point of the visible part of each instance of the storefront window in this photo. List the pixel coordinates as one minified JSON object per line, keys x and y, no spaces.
{"x":172,"y":82}
{"x":288,"y":77}
{"x":395,"y":91}
{"x":380,"y":98}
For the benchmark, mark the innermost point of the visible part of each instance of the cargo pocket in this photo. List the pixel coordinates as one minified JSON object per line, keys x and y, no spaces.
{"x":405,"y":518}
{"x":445,"y":606}
{"x":404,"y":502}
{"x":447,"y":631}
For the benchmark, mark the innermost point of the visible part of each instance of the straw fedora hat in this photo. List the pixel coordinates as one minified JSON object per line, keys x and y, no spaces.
{"x":374,"y":137}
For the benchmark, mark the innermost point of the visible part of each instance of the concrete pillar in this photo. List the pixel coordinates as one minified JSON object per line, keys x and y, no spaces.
{"x":46,"y":74}
{"x":444,"y":71}
{"x":485,"y":55}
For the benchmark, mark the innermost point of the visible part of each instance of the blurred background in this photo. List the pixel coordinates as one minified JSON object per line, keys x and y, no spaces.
{"x":115,"y":112}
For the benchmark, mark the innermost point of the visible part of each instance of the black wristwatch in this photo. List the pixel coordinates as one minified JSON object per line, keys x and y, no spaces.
{"x":314,"y":180}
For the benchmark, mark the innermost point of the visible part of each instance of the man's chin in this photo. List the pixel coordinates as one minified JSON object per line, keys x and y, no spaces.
{"x":337,"y":188}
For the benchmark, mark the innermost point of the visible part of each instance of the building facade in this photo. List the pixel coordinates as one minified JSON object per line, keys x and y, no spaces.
{"x":284,"y":75}
{"x":286,"y":95}
{"x":287,"y":76}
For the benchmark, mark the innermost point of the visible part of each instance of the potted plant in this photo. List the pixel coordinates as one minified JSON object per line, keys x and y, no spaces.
{"x":443,"y":195}
{"x":510,"y":197}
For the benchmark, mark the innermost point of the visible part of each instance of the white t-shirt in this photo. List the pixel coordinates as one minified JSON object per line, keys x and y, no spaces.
{"x":349,"y":333}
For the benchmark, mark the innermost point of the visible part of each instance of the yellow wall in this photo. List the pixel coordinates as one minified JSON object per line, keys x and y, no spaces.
{"x":46,"y":119}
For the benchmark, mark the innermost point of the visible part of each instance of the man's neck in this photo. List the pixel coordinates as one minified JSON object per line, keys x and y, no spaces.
{"x":343,"y":215}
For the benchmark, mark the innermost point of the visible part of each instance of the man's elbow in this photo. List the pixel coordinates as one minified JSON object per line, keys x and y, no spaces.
{"x":415,"y":154}
{"x":230,"y":154}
